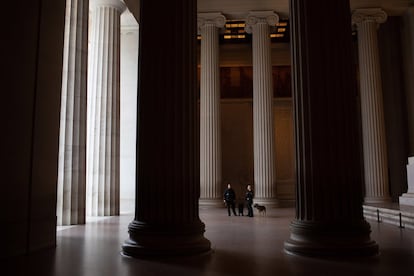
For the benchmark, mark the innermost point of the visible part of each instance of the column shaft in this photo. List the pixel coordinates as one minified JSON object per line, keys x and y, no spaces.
{"x":263,"y":126}
{"x":103,"y":138}
{"x":329,"y":219}
{"x":71,"y":189}
{"x":372,"y":110}
{"x":210,"y":124}
{"x":168,"y":180}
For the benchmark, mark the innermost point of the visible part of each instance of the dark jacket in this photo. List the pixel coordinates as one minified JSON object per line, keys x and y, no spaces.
{"x":229,"y":195}
{"x":249,"y":197}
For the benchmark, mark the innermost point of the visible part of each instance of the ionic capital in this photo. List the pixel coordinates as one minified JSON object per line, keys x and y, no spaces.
{"x":268,"y":17}
{"x":376,"y":15}
{"x":116,"y":4}
{"x":211,"y":18}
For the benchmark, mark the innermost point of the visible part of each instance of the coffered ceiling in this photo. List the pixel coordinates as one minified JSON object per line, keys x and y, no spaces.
{"x":237,"y":9}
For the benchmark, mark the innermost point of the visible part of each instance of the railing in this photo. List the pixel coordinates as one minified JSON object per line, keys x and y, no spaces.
{"x":399,"y":216}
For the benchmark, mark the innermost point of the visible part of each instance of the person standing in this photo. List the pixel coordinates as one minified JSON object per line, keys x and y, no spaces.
{"x":229,"y":198}
{"x":249,"y":201}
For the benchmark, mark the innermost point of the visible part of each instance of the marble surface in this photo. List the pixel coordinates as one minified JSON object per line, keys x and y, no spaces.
{"x":240,"y":246}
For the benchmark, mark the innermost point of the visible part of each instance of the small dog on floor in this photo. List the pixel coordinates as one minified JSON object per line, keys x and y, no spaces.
{"x":260,"y":208}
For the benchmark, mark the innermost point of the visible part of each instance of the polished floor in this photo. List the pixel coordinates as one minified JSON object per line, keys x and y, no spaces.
{"x":240,"y":246}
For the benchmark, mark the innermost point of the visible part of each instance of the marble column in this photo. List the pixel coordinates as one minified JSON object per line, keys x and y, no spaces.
{"x":103,"y":109}
{"x":329,"y":217}
{"x":211,"y":186}
{"x":166,"y":218}
{"x":259,"y":24}
{"x":372,"y":110}
{"x":71,"y":188}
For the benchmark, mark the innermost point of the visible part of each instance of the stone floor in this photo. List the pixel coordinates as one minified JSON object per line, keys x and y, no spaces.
{"x":240,"y":246}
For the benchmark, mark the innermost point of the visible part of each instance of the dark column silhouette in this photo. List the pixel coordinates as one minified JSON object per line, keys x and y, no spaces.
{"x":329,"y":219}
{"x":168,"y":181}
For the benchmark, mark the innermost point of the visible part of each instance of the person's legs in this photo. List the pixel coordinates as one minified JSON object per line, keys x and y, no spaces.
{"x":241,"y":207}
{"x":233,"y":207}
{"x":250,"y":209}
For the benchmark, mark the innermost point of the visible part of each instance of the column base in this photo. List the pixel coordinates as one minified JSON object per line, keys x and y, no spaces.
{"x":146,"y":240}
{"x":328,"y":240}
{"x":377,"y":200}
{"x":268,"y":202}
{"x":203,"y":202}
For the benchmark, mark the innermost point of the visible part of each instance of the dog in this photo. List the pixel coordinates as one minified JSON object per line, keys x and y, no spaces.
{"x":260,"y":208}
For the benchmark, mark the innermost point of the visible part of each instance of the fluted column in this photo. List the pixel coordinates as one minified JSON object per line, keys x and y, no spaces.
{"x":211,"y":188}
{"x":258,"y":23}
{"x":168,"y":173}
{"x":372,"y":110}
{"x":329,"y":217}
{"x":103,"y":109}
{"x":71,"y":188}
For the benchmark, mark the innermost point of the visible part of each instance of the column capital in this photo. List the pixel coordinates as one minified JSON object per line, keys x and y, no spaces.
{"x":116,"y":4}
{"x":268,"y":17}
{"x":376,"y":15}
{"x":210,"y":18}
